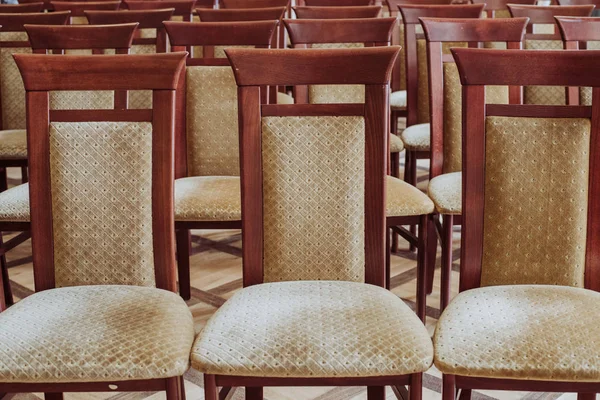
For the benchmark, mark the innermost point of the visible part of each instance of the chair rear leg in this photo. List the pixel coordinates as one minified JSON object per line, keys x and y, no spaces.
{"x":254,"y":393}
{"x":431,"y":251}
{"x":448,"y":387}
{"x":395,"y":172}
{"x":422,"y":268}
{"x":8,"y":296}
{"x":24,"y":175}
{"x":586,"y":396}
{"x":173,"y":388}
{"x":210,"y":388}
{"x":415,"y":388}
{"x":182,"y":237}
{"x":375,"y":392}
{"x":447,"y":224}
{"x":3,"y":179}
{"x":53,"y":396}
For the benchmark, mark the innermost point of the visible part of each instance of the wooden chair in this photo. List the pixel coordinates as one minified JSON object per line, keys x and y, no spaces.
{"x":293,"y":195}
{"x":103,"y":256}
{"x":543,"y":34}
{"x":524,"y":318}
{"x":579,"y":32}
{"x":499,"y":8}
{"x":596,"y":3}
{"x":336,"y":3}
{"x":183,"y":9}
{"x":445,"y":175}
{"x":22,"y":8}
{"x":337,"y":12}
{"x":207,"y":189}
{"x":78,"y":8}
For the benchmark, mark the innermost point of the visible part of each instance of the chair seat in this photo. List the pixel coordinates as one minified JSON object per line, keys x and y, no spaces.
{"x":417,"y":137}
{"x":13,"y":144}
{"x":398,"y":99}
{"x":208,"y":198}
{"x":95,"y":334}
{"x":521,"y":332}
{"x":284,"y":98}
{"x":446,"y":192}
{"x":396,"y":145}
{"x":310,"y":329}
{"x":14,"y":204}
{"x":404,"y":199}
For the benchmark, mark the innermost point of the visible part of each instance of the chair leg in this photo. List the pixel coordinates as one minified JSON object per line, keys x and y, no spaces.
{"x":181,"y":388}
{"x":8,"y":296}
{"x":173,"y":388}
{"x":388,"y":232}
{"x":448,"y":387}
{"x":422,"y":268}
{"x":447,"y":224}
{"x":465,"y":394}
{"x":254,"y":393}
{"x":395,"y":172}
{"x":416,"y":387}
{"x":394,"y":122}
{"x":375,"y":392}
{"x":3,"y":179}
{"x":53,"y":396}
{"x":182,"y":237}
{"x":210,"y":388}
{"x":24,"y":175}
{"x":431,"y":251}
{"x":586,"y":396}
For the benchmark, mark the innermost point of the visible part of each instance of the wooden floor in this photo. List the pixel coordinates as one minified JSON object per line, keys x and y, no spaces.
{"x":216,"y":275}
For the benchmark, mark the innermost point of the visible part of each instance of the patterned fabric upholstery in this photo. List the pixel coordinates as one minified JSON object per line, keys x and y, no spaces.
{"x":398,"y":99}
{"x":585,"y":94}
{"x":401,"y":55}
{"x":532,"y":332}
{"x":93,"y":199}
{"x":548,"y":95}
{"x":446,"y":192}
{"x":396,"y":144}
{"x":208,"y":198}
{"x":79,"y":21}
{"x":404,"y":199}
{"x":536,"y":201}
{"x":95,"y":334}
{"x":313,"y":329}
{"x":13,"y":144}
{"x":142,"y":99}
{"x":11,"y":83}
{"x":417,"y":137}
{"x":284,"y":98}
{"x":14,"y":204}
{"x":219,"y":51}
{"x":306,"y":160}
{"x":82,"y":100}
{"x":212,"y":122}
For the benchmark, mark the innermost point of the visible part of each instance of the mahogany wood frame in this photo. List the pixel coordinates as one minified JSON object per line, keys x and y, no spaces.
{"x":473,"y":31}
{"x":478,"y":68}
{"x":579,"y":3}
{"x":545,"y":15}
{"x":182,"y":8}
{"x":336,"y":3}
{"x":371,"y":67}
{"x":119,"y":73}
{"x":147,"y":19}
{"x":15,"y":23}
{"x":77,"y":8}
{"x":22,"y":8}
{"x":181,"y":36}
{"x":337,"y":12}
{"x":492,"y":6}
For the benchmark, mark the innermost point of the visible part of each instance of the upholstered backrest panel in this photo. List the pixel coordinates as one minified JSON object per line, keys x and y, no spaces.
{"x":102,"y":203}
{"x":313,"y":205}
{"x":548,"y":95}
{"x":142,"y":99}
{"x":585,"y":95}
{"x":401,"y":60}
{"x":212,"y":122}
{"x":536,"y":201}
{"x":79,"y":20}
{"x":219,"y":51}
{"x":11,"y":83}
{"x":453,"y":115}
{"x":82,"y":100}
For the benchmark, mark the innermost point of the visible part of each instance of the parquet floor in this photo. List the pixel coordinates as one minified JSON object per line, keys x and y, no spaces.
{"x":216,"y":275}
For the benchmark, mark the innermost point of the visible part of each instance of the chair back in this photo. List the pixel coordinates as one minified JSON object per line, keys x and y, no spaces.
{"x":101,"y":184}
{"x":240,"y":14}
{"x":207,"y":142}
{"x":77,"y":8}
{"x":531,"y":190}
{"x":13,"y":39}
{"x":182,"y":9}
{"x":596,"y":3}
{"x":336,"y":3}
{"x":342,"y":12}
{"x":499,"y":8}
{"x":446,"y":110}
{"x":22,"y":8}
{"x":313,"y":175}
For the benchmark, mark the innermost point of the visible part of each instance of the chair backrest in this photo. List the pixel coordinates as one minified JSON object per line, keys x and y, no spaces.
{"x":207,"y":140}
{"x":446,"y":110}
{"x":240,"y":14}
{"x":576,"y":32}
{"x":313,"y":175}
{"x":21,"y":8}
{"x":499,"y":8}
{"x":417,"y":92}
{"x":332,"y":34}
{"x":337,"y":12}
{"x":101,"y":181}
{"x":182,"y":9}
{"x":531,"y":191}
{"x":77,"y":8}
{"x":595,"y":13}
{"x":337,"y":3}
{"x":254,"y":3}
{"x":13,"y":39}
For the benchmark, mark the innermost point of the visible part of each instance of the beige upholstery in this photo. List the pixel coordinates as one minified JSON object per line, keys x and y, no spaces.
{"x":12,"y":90}
{"x":404,"y":199}
{"x":13,"y":144}
{"x":79,"y":21}
{"x":212,"y":122}
{"x":417,"y":137}
{"x":82,"y":100}
{"x":446,"y":192}
{"x":307,"y":160}
{"x":313,"y":329}
{"x":398,"y":99}
{"x":142,"y":99}
{"x":284,"y":98}
{"x":536,"y":201}
{"x":219,"y":51}
{"x":208,"y":198}
{"x":95,"y":334}
{"x":101,"y":207}
{"x":548,"y":95}
{"x":14,"y":204}
{"x":396,"y":145}
{"x":546,"y":333}
{"x":585,"y":95}
{"x":401,"y":60}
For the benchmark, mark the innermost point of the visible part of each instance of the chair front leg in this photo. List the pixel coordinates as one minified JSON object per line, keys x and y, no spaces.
{"x":53,"y":396}
{"x":174,"y":388}
{"x":422,"y":268}
{"x":431,"y":250}
{"x":7,"y":298}
{"x":210,"y":387}
{"x":416,"y":386}
{"x":447,"y":225}
{"x":182,"y":236}
{"x":448,"y":387}
{"x":375,"y":392}
{"x":254,"y":393}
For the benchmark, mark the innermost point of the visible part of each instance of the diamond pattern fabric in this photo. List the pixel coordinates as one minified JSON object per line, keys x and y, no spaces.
{"x":142,"y":99}
{"x":398,"y":99}
{"x":208,"y":198}
{"x":546,"y":95}
{"x":396,"y":144}
{"x":417,"y":137}
{"x":11,"y":83}
{"x":14,"y":204}
{"x":446,"y":193}
{"x":403,"y":199}
{"x":13,"y":144}
{"x":313,"y":329}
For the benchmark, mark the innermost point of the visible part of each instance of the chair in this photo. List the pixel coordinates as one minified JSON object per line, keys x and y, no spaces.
{"x":596,"y":3}
{"x":337,"y":12}
{"x":105,"y":303}
{"x":207,"y":188}
{"x":313,"y":207}
{"x":576,"y":30}
{"x":540,"y":280}
{"x":22,"y":8}
{"x":77,"y":8}
{"x":183,"y":9}
{"x":336,"y":3}
{"x":14,"y":213}
{"x":446,"y":119}
{"x":499,"y":8}
{"x":543,"y":34}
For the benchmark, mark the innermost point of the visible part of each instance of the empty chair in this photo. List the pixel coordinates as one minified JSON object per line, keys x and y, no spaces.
{"x":182,"y":9}
{"x":320,"y":12}
{"x":77,"y":8}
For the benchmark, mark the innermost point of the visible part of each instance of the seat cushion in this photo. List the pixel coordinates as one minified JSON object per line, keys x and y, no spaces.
{"x":396,"y":145}
{"x":95,"y":334}
{"x":307,"y":329}
{"x":417,"y":137}
{"x":14,"y":204}
{"x":284,"y":98}
{"x":208,"y":198}
{"x":404,"y":199}
{"x":398,"y":99}
{"x":13,"y":144}
{"x":446,"y":192}
{"x":537,"y":332}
